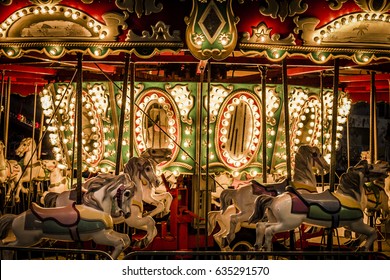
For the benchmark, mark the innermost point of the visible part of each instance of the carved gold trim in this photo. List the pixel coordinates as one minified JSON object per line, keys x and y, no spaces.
{"x":59,"y":23}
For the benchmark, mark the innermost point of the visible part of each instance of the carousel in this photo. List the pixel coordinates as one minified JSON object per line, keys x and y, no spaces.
{"x":127,"y":131}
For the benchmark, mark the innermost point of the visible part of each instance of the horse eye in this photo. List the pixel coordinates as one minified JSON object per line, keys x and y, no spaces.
{"x":315,"y":154}
{"x":153,"y":151}
{"x":127,"y":194}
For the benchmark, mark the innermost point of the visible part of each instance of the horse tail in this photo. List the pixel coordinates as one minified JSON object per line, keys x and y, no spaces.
{"x":49,"y":199}
{"x":212,"y":221}
{"x":261,"y":204}
{"x":226,"y":198}
{"x":6,"y":224}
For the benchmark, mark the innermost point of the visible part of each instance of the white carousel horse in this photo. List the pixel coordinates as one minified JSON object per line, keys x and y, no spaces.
{"x":142,"y":172}
{"x":161,"y":199}
{"x":342,"y":208}
{"x":307,"y":159}
{"x":223,"y":221}
{"x":32,"y":167}
{"x":10,"y":171}
{"x":58,"y":181}
{"x":88,"y":221}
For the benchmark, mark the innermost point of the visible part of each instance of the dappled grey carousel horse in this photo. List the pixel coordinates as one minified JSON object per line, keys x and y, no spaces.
{"x":342,"y":208}
{"x":107,"y":194}
{"x":307,"y":159}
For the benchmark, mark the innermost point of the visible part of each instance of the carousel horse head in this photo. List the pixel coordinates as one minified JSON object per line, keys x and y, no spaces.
{"x":27,"y":144}
{"x":109,"y":188}
{"x":142,"y":169}
{"x":312,"y":155}
{"x":373,"y":171}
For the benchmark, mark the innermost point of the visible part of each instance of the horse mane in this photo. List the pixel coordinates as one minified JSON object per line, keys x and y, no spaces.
{"x":350,"y":183}
{"x":301,"y":158}
{"x":103,"y":180}
{"x":132,"y":166}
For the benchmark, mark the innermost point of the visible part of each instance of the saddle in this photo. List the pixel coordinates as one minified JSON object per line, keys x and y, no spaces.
{"x":273,"y":189}
{"x":326,"y":206}
{"x":325,"y":200}
{"x":66,"y":216}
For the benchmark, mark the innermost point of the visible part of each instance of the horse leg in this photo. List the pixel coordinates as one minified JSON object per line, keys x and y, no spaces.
{"x":110,"y":237}
{"x":369,"y":232}
{"x":260,"y":232}
{"x":235,"y":220}
{"x":19,"y":188}
{"x":143,"y":223}
{"x":167,"y":198}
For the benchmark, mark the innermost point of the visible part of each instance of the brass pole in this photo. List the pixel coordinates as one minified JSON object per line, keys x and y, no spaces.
{"x":373,"y":120}
{"x":263,"y":71}
{"x":79,"y":112}
{"x":286,"y":119}
{"x":332,"y":174}
{"x":122,"y":117}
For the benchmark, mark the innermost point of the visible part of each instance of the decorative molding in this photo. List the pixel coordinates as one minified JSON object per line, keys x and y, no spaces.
{"x":373,"y":6}
{"x":59,"y":23}
{"x":336,"y":4}
{"x":160,"y":33}
{"x":262,"y":34}
{"x":45,"y":2}
{"x":211,"y":29}
{"x":283,"y":9}
{"x":351,"y":30}
{"x":139,"y":7}
{"x":6,"y":2}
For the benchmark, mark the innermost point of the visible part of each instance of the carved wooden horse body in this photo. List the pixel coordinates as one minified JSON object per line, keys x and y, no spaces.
{"x":88,"y":221}
{"x":32,"y":167}
{"x":307,"y":158}
{"x":343,"y":208}
{"x":162,"y":200}
{"x":10,"y":171}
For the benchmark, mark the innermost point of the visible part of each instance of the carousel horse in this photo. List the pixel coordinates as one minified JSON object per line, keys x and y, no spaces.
{"x":10,"y":171}
{"x":342,"y":208}
{"x":91,"y":220}
{"x":58,"y":181}
{"x":161,"y":200}
{"x":307,"y":159}
{"x":224,"y":181}
{"x":142,"y":172}
{"x":32,"y":167}
{"x":223,"y":221}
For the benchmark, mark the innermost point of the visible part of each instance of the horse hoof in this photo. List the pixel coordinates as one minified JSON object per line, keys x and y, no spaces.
{"x":225,"y":242}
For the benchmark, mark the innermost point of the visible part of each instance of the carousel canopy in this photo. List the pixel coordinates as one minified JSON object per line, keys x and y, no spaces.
{"x":170,"y":40}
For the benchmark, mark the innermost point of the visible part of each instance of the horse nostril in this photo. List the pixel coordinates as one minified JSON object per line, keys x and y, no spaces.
{"x":127,"y":215}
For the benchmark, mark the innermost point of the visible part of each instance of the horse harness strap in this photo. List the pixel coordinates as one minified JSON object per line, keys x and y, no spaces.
{"x":63,"y":181}
{"x":373,"y":193}
{"x":118,"y":195}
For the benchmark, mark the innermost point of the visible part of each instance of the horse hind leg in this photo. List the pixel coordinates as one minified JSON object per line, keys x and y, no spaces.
{"x":112,"y":238}
{"x":369,"y":232}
